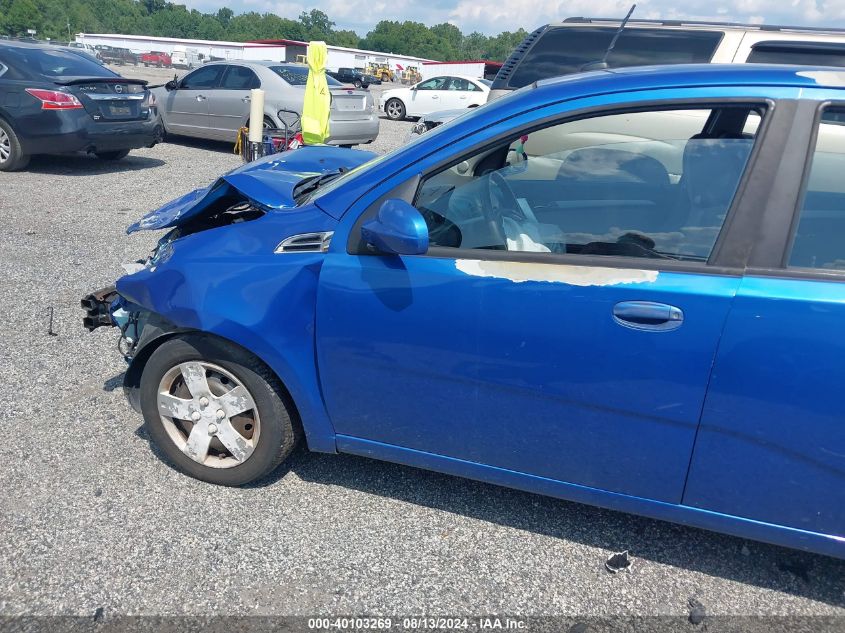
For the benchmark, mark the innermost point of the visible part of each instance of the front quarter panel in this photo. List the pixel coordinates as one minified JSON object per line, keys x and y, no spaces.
{"x":228,"y":282}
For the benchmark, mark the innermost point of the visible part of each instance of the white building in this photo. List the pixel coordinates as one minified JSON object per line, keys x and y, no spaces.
{"x":208,"y":49}
{"x":481,"y":69}
{"x":273,"y":50}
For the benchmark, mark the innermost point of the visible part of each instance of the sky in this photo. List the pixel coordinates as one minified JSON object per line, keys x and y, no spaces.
{"x":494,"y":16}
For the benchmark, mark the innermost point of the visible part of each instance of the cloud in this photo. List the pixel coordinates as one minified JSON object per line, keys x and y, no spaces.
{"x":494,"y":16}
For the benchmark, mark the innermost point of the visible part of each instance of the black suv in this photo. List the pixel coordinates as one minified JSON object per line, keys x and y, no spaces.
{"x":54,"y":100}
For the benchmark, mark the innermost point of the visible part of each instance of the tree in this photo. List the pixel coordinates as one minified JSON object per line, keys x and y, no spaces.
{"x":224,"y":16}
{"x":451,"y":38}
{"x":345,"y":38}
{"x":23,"y":15}
{"x":317,"y":25}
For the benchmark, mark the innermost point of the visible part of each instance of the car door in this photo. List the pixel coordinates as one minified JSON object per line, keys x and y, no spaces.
{"x":186,"y":107}
{"x":229,"y":104}
{"x":772,"y":442}
{"x":427,"y":96}
{"x":459,"y":93}
{"x":566,"y":317}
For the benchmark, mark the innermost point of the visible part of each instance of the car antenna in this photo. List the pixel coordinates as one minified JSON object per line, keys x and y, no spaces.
{"x":602,"y":63}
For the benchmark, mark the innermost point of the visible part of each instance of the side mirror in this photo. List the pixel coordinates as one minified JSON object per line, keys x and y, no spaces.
{"x":171,"y":85}
{"x":398,"y":229}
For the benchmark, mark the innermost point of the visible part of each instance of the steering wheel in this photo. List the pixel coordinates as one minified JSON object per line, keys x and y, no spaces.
{"x":493,"y":210}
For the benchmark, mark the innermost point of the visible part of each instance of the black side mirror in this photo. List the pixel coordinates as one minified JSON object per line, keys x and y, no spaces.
{"x":171,"y":85}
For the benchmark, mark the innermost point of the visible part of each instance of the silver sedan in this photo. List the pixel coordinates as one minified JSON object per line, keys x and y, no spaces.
{"x":214,"y":101}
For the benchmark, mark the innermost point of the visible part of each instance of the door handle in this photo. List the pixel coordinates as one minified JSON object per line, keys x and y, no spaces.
{"x":201,"y":97}
{"x":434,"y":97}
{"x":648,"y":316}
{"x":246,"y":99}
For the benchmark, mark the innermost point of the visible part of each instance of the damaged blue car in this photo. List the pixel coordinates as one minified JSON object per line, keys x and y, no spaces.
{"x":622,"y":288}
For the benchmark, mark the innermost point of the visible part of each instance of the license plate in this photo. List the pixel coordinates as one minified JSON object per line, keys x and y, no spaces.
{"x":349,"y":104}
{"x":120,"y":110}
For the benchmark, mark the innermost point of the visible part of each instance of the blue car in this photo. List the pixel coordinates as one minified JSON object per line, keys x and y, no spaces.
{"x":622,"y":288}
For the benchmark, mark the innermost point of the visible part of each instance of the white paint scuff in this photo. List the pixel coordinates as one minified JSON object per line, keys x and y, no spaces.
{"x":519,"y":272}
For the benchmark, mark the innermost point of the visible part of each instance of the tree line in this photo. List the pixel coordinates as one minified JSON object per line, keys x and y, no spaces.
{"x":62,"y":19}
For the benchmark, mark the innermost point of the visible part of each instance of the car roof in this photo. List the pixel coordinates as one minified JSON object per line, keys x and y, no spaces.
{"x":18,"y":44}
{"x":695,"y":25}
{"x":707,"y":75}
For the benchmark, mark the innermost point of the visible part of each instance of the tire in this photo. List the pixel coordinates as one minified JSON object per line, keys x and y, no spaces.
{"x":357,"y":83}
{"x":12,"y":157}
{"x":112,"y":156}
{"x":395,"y":110}
{"x":267,"y":433}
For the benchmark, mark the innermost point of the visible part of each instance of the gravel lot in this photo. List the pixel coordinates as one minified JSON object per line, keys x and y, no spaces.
{"x":92,"y":518}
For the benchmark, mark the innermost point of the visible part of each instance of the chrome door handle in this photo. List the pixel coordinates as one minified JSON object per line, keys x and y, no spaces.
{"x":434,"y":97}
{"x":201,"y":98}
{"x":648,"y":316}
{"x":246,"y":99}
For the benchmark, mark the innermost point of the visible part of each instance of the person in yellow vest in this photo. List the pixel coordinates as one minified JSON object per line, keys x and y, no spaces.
{"x":318,"y":99}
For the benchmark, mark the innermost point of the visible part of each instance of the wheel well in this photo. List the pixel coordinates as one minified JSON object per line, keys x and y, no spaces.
{"x":132,"y":377}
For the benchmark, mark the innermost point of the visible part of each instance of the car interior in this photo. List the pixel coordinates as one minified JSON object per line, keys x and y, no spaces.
{"x":650,"y":184}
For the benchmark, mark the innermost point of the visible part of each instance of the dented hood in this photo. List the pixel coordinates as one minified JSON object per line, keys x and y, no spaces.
{"x":267,"y":183}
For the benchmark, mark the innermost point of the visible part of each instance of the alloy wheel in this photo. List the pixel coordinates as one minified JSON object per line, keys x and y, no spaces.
{"x":394,"y":111}
{"x":5,"y":146}
{"x":209,"y":414}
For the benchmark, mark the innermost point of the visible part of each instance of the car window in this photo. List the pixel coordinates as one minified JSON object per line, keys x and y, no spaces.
{"x":202,"y":78}
{"x":239,"y":78}
{"x":437,"y":83}
{"x":458,"y":83}
{"x":642,"y":184}
{"x":298,"y":75}
{"x":819,"y":240}
{"x":796,"y":53}
{"x":566,"y":50}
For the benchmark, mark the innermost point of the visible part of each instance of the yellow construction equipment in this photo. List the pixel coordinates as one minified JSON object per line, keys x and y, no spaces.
{"x":300,"y":59}
{"x":381,"y":71}
{"x":411,"y":75}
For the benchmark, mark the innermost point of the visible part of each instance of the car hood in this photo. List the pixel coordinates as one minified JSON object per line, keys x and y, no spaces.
{"x":267,"y":183}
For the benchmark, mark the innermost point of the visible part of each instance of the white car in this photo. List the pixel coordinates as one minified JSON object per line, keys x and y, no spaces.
{"x":448,"y":92}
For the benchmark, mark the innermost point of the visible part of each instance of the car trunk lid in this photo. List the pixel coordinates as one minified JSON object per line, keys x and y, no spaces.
{"x":349,"y":104}
{"x":110,"y":98}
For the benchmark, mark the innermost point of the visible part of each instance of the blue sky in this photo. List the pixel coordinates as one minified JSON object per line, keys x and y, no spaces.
{"x":494,"y":16}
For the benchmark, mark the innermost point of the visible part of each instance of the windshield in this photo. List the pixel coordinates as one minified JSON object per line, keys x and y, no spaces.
{"x":298,"y":75}
{"x":53,"y":63}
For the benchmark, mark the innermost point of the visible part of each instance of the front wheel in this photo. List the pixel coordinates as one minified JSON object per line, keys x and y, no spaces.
{"x":217,"y":412}
{"x":357,"y":83}
{"x":395,"y":109}
{"x":112,"y":156}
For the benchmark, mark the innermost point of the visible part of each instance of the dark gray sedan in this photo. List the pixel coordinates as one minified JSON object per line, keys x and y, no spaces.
{"x":214,"y":101}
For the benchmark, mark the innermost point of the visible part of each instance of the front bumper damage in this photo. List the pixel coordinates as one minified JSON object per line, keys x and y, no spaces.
{"x":106,"y":308}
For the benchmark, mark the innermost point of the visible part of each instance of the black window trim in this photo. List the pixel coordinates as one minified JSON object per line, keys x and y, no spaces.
{"x":790,"y":46}
{"x":783,"y":269}
{"x":717,"y":264}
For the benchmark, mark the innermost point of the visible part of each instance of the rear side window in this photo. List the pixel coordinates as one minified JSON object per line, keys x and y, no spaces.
{"x":239,"y":78}
{"x":566,"y":50}
{"x":819,"y":240}
{"x":797,"y":53}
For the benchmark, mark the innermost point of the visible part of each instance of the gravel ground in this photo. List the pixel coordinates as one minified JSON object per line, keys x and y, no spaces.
{"x":92,"y":518}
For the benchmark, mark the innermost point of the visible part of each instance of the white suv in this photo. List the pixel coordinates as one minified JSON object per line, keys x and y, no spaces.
{"x":570,"y":46}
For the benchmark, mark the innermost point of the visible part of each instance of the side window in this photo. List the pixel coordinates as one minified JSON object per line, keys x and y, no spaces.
{"x":819,"y":240}
{"x":798,"y":53}
{"x":239,"y":78}
{"x":437,"y":83}
{"x":457,"y":83}
{"x":655,"y":184}
{"x":203,"y":78}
